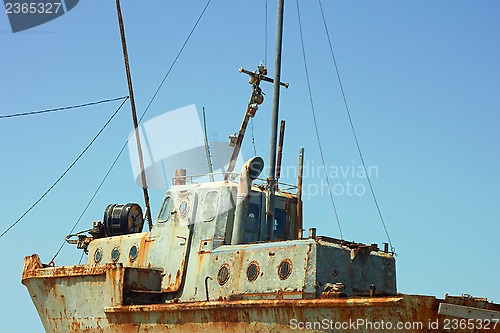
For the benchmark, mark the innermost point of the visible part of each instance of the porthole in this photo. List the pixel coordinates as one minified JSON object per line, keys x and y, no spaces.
{"x":285,"y":269}
{"x":184,"y":208}
{"x":115,"y":253}
{"x":134,"y":251}
{"x":253,"y":271}
{"x":97,"y":255}
{"x":223,"y":275}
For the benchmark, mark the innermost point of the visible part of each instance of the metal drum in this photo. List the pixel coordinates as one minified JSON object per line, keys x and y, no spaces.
{"x":122,"y":219}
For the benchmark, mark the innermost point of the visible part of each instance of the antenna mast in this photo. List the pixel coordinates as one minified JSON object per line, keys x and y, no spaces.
{"x":271,"y":179}
{"x":207,"y":147}
{"x":256,"y":99}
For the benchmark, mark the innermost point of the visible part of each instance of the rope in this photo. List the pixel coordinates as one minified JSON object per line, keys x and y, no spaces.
{"x":353,"y":131}
{"x":60,"y":109}
{"x":265,"y":64}
{"x":66,"y":171}
{"x":315,"y":122}
{"x":253,"y":138}
{"x":265,"y":37}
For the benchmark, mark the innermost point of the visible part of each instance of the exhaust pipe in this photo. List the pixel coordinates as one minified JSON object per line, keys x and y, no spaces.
{"x":250,"y":171}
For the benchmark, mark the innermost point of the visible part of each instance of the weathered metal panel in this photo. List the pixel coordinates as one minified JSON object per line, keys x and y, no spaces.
{"x":334,"y":266}
{"x":66,"y":299}
{"x":124,"y":244}
{"x":175,"y":260}
{"x":468,"y":312}
{"x":142,"y":279}
{"x":403,"y":313}
{"x":357,"y":267}
{"x":268,"y":256}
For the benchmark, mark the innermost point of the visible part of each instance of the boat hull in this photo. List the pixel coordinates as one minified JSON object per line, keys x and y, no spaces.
{"x":90,"y":298}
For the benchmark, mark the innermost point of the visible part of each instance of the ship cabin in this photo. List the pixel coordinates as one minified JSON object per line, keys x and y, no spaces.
{"x":212,"y":241}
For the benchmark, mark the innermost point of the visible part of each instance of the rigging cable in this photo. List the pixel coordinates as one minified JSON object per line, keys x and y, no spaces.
{"x":66,"y":171}
{"x":175,"y":60}
{"x":315,"y":122}
{"x":90,"y":201}
{"x":60,"y":109}
{"x":81,"y":257}
{"x":140,"y":119}
{"x":265,"y":37}
{"x":352,"y":127}
{"x":265,"y":64}
{"x":253,"y":138}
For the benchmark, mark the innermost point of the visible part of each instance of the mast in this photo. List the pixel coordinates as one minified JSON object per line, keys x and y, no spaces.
{"x":299,"y":192}
{"x":134,"y":115}
{"x":271,"y":179}
{"x":256,"y":98}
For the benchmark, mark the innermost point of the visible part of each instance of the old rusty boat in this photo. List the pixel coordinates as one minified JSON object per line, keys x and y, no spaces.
{"x":232,"y":256}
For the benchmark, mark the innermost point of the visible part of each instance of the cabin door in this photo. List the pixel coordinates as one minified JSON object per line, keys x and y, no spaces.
{"x":179,"y":241}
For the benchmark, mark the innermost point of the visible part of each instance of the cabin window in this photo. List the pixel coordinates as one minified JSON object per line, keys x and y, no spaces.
{"x":279,"y":224}
{"x":166,"y":210}
{"x":210,"y":206}
{"x":253,"y":221}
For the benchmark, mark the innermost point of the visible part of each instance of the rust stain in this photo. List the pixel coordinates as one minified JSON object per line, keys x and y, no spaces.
{"x":171,"y":287}
{"x":263,"y":312}
{"x":204,"y":242}
{"x":277,"y":313}
{"x":144,"y":249}
{"x":33,"y":268}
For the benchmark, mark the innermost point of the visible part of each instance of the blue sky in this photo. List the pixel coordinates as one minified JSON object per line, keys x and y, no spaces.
{"x":421,"y":79}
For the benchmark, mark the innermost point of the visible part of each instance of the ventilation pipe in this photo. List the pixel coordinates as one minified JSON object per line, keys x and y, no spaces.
{"x":250,"y":171}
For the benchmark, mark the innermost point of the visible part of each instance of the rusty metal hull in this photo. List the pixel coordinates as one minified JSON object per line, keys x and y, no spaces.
{"x":90,"y":298}
{"x":388,"y":314}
